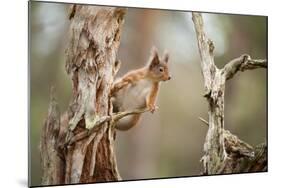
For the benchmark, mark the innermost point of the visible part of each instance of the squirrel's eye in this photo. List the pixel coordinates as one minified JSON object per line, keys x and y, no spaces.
{"x":161,"y":69}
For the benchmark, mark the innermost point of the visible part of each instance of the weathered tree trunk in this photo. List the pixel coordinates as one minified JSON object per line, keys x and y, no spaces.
{"x":78,"y":147}
{"x":224,"y":152}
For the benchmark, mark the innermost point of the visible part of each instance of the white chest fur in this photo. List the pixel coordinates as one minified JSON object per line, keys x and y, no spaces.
{"x":134,"y":95}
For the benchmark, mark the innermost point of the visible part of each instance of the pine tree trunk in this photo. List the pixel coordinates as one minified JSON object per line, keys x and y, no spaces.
{"x":70,"y":152}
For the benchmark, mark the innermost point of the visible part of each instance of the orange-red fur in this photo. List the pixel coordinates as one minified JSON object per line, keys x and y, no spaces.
{"x":139,"y":88}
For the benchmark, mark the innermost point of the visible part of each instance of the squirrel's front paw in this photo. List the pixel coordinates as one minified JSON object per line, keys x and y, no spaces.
{"x":152,"y":108}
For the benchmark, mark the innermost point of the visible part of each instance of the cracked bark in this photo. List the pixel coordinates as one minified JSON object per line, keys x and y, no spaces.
{"x":224,"y":152}
{"x":94,"y":38}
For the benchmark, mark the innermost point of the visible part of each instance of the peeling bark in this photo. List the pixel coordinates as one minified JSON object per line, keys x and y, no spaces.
{"x":94,"y":38}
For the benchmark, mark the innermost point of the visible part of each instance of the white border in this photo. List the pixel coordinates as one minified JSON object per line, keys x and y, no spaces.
{"x":13,"y":157}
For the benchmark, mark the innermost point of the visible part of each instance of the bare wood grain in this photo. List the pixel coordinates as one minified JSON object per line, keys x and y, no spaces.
{"x":224,"y":152}
{"x":242,"y":63}
{"x":51,"y":160}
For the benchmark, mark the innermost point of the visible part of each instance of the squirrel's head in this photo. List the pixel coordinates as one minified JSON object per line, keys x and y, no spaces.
{"x":158,"y":67}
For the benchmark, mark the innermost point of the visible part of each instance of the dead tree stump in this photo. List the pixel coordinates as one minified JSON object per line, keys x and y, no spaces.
{"x":224,"y":152}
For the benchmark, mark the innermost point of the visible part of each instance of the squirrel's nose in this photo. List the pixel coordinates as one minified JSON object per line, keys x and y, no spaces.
{"x":169,"y":78}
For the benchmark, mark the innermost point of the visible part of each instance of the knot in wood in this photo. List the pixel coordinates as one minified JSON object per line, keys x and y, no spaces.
{"x":211,"y":46}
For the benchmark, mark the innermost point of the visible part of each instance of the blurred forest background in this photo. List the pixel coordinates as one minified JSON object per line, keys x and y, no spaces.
{"x":168,"y":143}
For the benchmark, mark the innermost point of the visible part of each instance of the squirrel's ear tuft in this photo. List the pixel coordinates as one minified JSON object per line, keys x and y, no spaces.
{"x":154,"y":56}
{"x":166,"y":56}
{"x":153,"y":50}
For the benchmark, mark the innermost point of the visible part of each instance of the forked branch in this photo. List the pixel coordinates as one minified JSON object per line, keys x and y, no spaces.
{"x":224,"y":152}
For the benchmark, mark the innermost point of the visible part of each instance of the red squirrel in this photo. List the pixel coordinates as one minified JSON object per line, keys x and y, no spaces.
{"x":139,"y":88}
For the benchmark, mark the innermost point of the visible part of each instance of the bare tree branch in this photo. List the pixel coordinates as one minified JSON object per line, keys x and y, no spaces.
{"x":206,"y":50}
{"x":242,"y":63}
{"x":113,"y":118}
{"x":204,"y":121}
{"x":121,"y":115}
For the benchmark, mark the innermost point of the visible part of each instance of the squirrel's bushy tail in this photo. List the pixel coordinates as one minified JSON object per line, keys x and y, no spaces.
{"x":128,"y":122}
